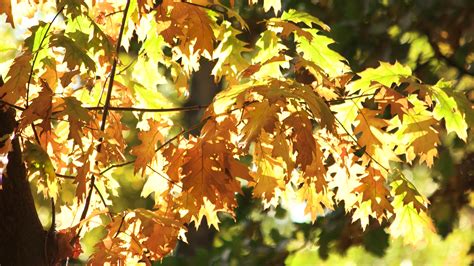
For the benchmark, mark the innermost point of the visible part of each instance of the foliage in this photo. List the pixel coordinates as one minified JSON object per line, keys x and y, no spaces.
{"x":292,"y":121}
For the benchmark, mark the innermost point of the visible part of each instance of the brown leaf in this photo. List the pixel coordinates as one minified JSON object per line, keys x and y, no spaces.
{"x":374,"y":189}
{"x":189,"y":23}
{"x":302,"y":137}
{"x":40,"y":108}
{"x":6,"y":8}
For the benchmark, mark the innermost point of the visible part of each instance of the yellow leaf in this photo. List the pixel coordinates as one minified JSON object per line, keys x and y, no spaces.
{"x":269,"y":174}
{"x":412,"y":225}
{"x":315,"y":200}
{"x":259,"y":116}
{"x":17,"y":77}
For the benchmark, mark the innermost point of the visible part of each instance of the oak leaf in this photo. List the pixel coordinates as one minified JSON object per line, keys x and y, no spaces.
{"x":260,"y":116}
{"x":302,"y":138}
{"x":373,"y":190}
{"x":145,"y":152}
{"x":40,"y":108}
{"x":17,"y":79}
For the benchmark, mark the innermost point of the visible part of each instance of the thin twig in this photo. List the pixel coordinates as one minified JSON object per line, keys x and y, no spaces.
{"x":164,"y":177}
{"x":102,"y":199}
{"x":150,"y":110}
{"x":113,"y":13}
{"x":52,"y":228}
{"x":116,"y":165}
{"x":120,"y":226}
{"x":360,"y":146}
{"x":12,"y":105}
{"x":131,"y":63}
{"x":349,"y":98}
{"x":65,"y":176}
{"x":36,"y":55}
{"x":35,"y":133}
{"x":106,"y":106}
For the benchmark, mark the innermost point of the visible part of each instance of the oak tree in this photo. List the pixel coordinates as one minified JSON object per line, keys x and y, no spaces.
{"x":98,"y":86}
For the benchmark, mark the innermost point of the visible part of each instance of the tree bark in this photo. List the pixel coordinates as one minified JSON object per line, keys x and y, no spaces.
{"x":22,"y":237}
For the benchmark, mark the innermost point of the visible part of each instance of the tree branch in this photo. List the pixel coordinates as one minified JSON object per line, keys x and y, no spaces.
{"x":106,"y":106}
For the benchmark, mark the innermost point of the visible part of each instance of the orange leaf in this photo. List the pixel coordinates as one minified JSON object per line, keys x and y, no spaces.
{"x":145,"y":152}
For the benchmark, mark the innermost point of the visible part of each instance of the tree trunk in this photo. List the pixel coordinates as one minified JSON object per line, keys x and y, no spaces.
{"x":22,"y":238}
{"x":203,"y":90}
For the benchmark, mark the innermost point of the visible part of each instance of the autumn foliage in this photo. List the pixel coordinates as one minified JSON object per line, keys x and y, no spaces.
{"x":292,"y":118}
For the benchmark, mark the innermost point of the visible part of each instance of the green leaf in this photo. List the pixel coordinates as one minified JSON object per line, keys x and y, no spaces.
{"x":38,"y":161}
{"x":39,"y":36}
{"x":228,"y":53}
{"x":96,"y":39}
{"x":151,"y":98}
{"x":8,"y":46}
{"x":75,"y":54}
{"x":303,"y":17}
{"x":145,"y":71}
{"x":154,"y":43}
{"x":408,"y":193}
{"x":317,"y":51}
{"x":386,"y":74}
{"x":410,"y":224}
{"x":38,"y":33}
{"x":447,"y":107}
{"x":269,"y":47}
{"x":71,"y":7}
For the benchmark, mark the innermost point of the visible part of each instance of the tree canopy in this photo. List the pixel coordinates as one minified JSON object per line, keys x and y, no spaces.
{"x":93,"y":90}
